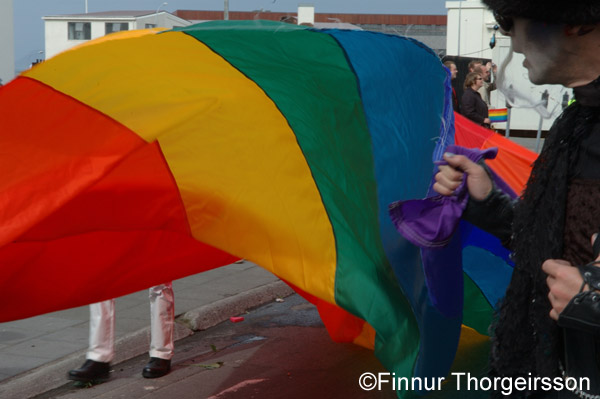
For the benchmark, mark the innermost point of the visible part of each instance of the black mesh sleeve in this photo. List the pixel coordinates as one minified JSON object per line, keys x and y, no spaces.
{"x":494,"y":214}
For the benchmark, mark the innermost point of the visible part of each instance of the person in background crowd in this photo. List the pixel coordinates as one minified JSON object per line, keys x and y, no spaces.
{"x":453,"y":71}
{"x":488,"y":85}
{"x":473,"y":64}
{"x":472,"y":106}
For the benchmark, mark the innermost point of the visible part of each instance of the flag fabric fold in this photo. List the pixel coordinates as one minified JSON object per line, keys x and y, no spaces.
{"x":276,"y":143}
{"x":431,"y":222}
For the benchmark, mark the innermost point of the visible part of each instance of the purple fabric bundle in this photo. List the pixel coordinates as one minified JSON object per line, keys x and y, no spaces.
{"x":430,"y":222}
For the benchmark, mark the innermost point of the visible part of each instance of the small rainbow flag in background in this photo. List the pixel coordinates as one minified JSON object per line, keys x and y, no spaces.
{"x":498,"y":115}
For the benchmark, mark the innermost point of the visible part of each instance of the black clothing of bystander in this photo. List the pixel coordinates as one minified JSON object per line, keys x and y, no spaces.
{"x":473,"y":107}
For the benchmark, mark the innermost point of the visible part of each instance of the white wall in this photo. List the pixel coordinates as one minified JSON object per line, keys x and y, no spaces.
{"x":306,"y":14}
{"x":476,"y":28}
{"x":57,"y":35}
{"x":57,"y":28}
{"x":7,"y":41}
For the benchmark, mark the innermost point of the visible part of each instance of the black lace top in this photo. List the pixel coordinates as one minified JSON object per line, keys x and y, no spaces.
{"x":583,"y":199}
{"x":554,"y":219}
{"x":582,"y":219}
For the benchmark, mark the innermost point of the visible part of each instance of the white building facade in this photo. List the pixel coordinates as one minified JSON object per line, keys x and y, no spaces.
{"x":7,"y":42}
{"x":470,"y":30}
{"x":65,"y":31}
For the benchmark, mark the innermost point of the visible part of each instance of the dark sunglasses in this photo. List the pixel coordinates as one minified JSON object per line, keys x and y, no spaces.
{"x":506,"y":23}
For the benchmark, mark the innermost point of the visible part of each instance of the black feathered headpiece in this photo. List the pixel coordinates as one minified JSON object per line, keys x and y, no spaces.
{"x":572,"y":12}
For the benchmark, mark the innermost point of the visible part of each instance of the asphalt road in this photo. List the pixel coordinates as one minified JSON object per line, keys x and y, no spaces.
{"x":280,"y":350}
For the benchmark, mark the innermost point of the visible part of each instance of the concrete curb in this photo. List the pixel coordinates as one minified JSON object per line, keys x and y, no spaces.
{"x":53,"y":374}
{"x":214,"y":313}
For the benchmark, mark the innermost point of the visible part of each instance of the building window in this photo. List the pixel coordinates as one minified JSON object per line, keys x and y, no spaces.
{"x":111,"y":27}
{"x":80,"y":31}
{"x":148,"y":26}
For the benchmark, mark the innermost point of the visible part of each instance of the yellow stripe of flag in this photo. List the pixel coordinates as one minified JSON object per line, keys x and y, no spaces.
{"x":246,"y":186}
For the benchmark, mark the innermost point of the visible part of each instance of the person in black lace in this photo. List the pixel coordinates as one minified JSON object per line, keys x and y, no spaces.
{"x":548,"y":325}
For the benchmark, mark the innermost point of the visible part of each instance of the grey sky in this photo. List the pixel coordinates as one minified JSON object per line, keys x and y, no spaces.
{"x":29,"y":27}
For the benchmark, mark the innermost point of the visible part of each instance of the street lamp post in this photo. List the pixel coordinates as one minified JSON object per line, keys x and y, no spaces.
{"x":226,"y":10}
{"x":156,"y":16}
{"x":459,"y":22}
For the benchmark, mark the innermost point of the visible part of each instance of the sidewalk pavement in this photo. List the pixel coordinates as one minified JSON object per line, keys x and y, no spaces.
{"x":527,"y":142}
{"x":37,"y":353}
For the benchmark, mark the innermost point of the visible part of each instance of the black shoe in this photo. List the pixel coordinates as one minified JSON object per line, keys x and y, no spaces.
{"x":91,"y":371}
{"x":156,"y":367}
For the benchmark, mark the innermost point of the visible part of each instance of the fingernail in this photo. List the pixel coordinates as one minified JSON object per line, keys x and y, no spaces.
{"x":449,"y":154}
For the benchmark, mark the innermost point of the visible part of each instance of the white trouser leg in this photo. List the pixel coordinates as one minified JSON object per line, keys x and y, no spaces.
{"x":102,"y":331}
{"x":162,"y":317}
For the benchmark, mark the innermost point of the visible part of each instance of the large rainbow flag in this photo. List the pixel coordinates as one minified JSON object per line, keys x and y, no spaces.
{"x":147,"y":156}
